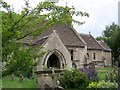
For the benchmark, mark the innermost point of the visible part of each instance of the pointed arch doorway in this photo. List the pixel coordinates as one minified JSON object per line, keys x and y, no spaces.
{"x":55,"y":59}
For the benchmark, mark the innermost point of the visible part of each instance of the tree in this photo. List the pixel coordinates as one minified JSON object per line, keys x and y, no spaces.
{"x":111,"y":35}
{"x":115,"y":45}
{"x":19,"y":25}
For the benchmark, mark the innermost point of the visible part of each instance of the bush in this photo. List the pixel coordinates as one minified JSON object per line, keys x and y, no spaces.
{"x":112,"y":76}
{"x":92,"y":85}
{"x":73,"y":79}
{"x":103,"y":84}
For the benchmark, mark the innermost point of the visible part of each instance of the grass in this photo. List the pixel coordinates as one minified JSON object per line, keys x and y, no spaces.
{"x":102,"y":72}
{"x":101,"y":75}
{"x":105,"y":68}
{"x":27,"y":83}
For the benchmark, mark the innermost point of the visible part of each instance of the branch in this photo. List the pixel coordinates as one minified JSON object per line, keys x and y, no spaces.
{"x":13,"y":27}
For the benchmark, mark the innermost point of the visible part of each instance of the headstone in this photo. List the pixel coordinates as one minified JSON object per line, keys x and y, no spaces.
{"x":21,"y":78}
{"x":12,"y":76}
{"x":30,"y":74}
{"x":91,"y":65}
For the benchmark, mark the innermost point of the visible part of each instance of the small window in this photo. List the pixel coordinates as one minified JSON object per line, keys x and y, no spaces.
{"x":88,"y":56}
{"x":94,"y":56}
{"x":71,"y":52}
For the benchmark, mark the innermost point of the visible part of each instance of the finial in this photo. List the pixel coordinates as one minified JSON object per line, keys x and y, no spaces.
{"x":54,"y":31}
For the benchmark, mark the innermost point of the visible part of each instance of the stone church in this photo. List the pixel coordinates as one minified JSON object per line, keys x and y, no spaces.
{"x":65,"y":48}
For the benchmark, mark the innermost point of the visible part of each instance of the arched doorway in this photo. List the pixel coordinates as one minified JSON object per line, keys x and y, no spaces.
{"x":54,"y":58}
{"x":53,"y":61}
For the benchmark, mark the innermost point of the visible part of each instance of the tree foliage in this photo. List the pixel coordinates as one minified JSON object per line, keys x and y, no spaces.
{"x":21,"y":60}
{"x":111,"y":35}
{"x":19,"y":25}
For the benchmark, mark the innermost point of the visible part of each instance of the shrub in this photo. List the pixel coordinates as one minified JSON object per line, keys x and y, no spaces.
{"x":104,"y":84}
{"x":112,"y":76}
{"x":92,"y":85}
{"x":73,"y":79}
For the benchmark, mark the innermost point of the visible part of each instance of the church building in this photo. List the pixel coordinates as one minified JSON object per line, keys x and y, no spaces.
{"x":64,"y":48}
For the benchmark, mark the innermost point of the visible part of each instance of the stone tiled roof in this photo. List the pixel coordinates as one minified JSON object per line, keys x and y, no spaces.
{"x":104,"y":46}
{"x":66,"y":34}
{"x":91,"y":42}
{"x":30,"y":40}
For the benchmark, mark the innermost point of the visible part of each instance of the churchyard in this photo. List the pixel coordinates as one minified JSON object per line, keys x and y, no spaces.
{"x":9,"y":82}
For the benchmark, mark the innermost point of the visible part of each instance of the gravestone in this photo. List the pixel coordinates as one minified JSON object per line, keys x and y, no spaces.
{"x":12,"y":76}
{"x":21,"y":78}
{"x":92,"y":65}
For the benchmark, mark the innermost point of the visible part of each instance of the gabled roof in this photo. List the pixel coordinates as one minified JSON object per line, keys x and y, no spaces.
{"x":66,"y":34}
{"x":104,"y":46}
{"x":30,"y":40}
{"x":91,"y":42}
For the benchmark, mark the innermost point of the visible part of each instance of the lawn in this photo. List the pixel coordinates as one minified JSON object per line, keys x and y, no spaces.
{"x":27,"y":83}
{"x":101,"y":75}
{"x":102,"y":72}
{"x":105,"y":68}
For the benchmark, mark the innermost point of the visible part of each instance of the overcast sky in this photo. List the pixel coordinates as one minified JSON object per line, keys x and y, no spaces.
{"x":101,"y":12}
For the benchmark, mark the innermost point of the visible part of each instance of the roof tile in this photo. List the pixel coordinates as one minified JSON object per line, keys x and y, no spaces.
{"x":91,"y":41}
